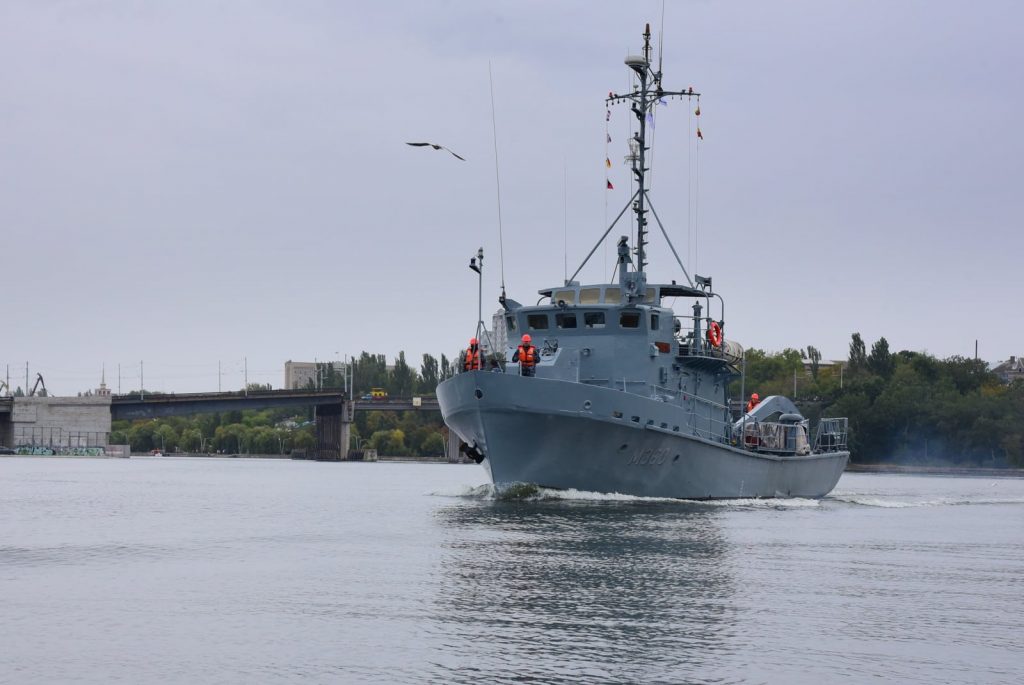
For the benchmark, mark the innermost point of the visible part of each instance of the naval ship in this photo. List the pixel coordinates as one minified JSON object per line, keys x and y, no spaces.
{"x":628,"y":396}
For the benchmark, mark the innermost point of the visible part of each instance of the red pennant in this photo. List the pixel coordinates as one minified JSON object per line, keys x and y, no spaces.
{"x":610,"y":186}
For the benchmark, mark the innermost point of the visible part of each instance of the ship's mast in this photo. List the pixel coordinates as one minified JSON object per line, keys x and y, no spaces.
{"x":642,"y":101}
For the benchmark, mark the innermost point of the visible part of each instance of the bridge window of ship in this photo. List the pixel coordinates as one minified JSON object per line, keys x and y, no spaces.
{"x":654,"y":322}
{"x":565,"y":320}
{"x":593,"y":319}
{"x":567,"y":296}
{"x":629,"y":319}
{"x":538,"y":322}
{"x":590,"y":295}
{"x":612,"y":295}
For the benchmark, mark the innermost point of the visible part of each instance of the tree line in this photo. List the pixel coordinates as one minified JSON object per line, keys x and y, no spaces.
{"x":903,"y":407}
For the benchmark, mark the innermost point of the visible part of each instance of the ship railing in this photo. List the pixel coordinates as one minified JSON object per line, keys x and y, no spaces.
{"x":710,"y":427}
{"x":776,"y":438}
{"x":707,"y":424}
{"x":831,"y":435}
{"x":689,"y":346}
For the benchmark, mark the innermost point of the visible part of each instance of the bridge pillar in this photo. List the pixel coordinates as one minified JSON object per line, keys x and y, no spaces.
{"x":333,"y":431}
{"x":454,"y":452}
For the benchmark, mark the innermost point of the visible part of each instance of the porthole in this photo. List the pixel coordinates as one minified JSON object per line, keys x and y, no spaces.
{"x":587,"y":405}
{"x":479,"y":393}
{"x":617,"y":414}
{"x":623,"y":446}
{"x":635,"y":419}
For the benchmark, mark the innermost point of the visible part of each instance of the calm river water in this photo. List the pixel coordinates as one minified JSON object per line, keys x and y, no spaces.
{"x":231,"y":571}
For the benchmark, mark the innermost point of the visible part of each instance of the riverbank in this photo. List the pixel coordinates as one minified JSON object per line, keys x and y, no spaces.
{"x":935,"y":470}
{"x":193,"y":455}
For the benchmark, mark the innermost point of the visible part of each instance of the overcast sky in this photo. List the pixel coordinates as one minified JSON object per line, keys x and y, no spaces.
{"x":192,"y":182}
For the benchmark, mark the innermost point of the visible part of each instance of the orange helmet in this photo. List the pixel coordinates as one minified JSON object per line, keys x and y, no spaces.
{"x":472,"y":341}
{"x":755,"y":396}
{"x":527,"y":338}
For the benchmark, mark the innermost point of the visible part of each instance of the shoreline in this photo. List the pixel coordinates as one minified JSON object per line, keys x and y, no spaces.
{"x":934,"y":470}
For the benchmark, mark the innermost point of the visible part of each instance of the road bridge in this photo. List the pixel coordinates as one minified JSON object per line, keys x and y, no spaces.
{"x":156,"y":405}
{"x":334,"y":411}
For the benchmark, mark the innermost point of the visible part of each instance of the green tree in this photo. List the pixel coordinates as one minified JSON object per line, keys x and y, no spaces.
{"x":166,"y":437}
{"x":880,"y":360}
{"x":858,"y":354}
{"x":433,"y":445}
{"x":403,"y":377}
{"x":191,"y":440}
{"x":389,"y":442}
{"x":303,"y":440}
{"x":815,"y":358}
{"x":429,"y":377}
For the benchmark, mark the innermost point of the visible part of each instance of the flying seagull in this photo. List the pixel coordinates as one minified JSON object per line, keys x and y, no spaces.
{"x":437,"y":147}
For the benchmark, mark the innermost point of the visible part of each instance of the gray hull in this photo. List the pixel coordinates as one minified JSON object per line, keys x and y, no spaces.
{"x":560,"y":434}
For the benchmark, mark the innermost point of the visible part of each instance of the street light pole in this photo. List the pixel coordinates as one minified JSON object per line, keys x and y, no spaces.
{"x":477,"y":264}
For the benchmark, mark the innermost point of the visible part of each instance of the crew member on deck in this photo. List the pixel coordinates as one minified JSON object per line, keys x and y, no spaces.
{"x":472,"y":362}
{"x":755,"y":399}
{"x":527,"y":356}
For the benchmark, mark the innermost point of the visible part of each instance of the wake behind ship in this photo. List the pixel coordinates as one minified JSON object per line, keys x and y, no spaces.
{"x":625,"y":395}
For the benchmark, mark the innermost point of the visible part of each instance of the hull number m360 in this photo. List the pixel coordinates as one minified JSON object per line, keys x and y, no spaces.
{"x":650,"y":456}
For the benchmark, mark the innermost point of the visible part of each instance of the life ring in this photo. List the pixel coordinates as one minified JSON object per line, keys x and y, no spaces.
{"x":715,"y":334}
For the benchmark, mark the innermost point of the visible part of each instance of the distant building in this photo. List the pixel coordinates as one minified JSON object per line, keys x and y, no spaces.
{"x":499,"y":333}
{"x":1011,"y":370}
{"x":823,"y":364}
{"x":299,"y":375}
{"x":103,"y":390}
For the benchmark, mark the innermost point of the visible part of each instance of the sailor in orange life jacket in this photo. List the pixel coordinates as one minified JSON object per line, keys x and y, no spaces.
{"x":472,"y":362}
{"x":527,"y":356}
{"x":755,"y":399}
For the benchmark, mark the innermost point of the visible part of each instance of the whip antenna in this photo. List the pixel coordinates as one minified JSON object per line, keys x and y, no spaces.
{"x":661,"y":37}
{"x":565,"y":224}
{"x":497,"y":182}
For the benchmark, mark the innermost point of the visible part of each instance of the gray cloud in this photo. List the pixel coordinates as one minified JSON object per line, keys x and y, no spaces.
{"x":192,"y":182}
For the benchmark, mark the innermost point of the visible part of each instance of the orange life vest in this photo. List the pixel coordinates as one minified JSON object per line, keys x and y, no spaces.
{"x":527,"y":356}
{"x":472,"y":359}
